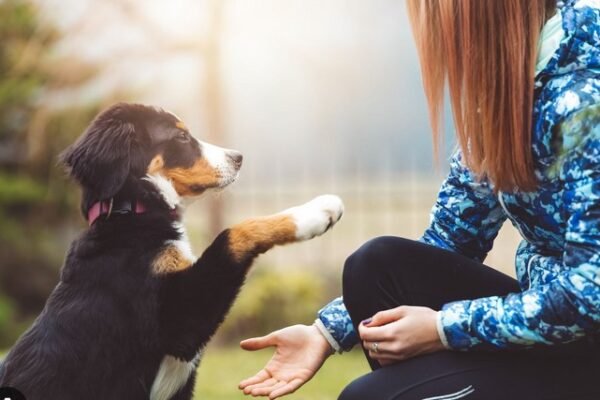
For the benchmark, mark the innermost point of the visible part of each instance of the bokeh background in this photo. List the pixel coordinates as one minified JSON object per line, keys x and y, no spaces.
{"x":319,"y":96}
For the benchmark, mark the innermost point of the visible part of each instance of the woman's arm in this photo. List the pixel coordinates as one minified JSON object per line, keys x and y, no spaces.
{"x":467,"y":215}
{"x":568,"y":308}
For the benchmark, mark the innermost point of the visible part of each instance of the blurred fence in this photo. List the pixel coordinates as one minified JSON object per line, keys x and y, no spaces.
{"x":389,"y":205}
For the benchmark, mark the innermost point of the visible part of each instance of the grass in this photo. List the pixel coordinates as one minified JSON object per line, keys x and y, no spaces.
{"x":223,"y":368}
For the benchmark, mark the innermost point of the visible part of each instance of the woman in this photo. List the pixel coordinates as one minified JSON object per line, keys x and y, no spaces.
{"x":524,"y":83}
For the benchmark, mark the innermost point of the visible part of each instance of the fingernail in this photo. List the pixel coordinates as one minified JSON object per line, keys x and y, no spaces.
{"x":367,"y":321}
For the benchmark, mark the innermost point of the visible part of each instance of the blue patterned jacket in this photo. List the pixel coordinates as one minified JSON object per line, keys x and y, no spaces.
{"x":558,"y":261}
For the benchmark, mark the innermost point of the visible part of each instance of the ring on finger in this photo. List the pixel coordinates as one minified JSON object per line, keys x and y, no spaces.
{"x":375,"y":347}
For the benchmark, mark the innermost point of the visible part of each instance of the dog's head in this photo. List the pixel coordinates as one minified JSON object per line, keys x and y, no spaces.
{"x":133,"y":142}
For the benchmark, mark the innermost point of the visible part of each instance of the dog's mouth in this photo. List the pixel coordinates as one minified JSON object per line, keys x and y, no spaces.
{"x":228,"y":179}
{"x":231,"y":170}
{"x":197,"y":189}
{"x":224,"y":180}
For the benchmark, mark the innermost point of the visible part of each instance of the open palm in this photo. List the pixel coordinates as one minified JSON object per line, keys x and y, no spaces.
{"x":300,"y":351}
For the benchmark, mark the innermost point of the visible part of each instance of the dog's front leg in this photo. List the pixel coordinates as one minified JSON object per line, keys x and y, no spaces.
{"x":255,"y":236}
{"x":200,"y":296}
{"x":194,"y":301}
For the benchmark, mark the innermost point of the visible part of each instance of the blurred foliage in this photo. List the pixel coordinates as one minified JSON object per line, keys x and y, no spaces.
{"x":271,"y":300}
{"x":38,"y":206}
{"x":17,"y":192}
{"x":22,"y":41}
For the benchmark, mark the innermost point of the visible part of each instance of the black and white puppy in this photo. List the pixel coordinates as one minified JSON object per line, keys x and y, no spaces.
{"x":134,"y":307}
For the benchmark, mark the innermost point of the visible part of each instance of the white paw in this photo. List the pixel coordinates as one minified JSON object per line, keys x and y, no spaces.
{"x":317,"y":216}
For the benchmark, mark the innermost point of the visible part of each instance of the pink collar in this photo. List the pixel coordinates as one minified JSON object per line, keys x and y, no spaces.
{"x":105,"y":207}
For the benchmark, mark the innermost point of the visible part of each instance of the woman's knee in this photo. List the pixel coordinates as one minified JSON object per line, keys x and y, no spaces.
{"x":372,"y":261}
{"x":367,"y":257}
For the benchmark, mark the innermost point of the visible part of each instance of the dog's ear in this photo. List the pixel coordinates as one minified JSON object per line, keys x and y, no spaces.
{"x":100,"y":159}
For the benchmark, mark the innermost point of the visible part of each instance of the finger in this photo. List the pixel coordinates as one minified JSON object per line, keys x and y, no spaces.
{"x":382,"y":348}
{"x":266,"y":382}
{"x":254,"y":389}
{"x":263,"y":388}
{"x":261,"y":376}
{"x":385,"y":347}
{"x":290,"y":387}
{"x":266,"y":391}
{"x":387,"y":316}
{"x":258,"y":343}
{"x":389,"y":355}
{"x":375,"y":347}
{"x":386,"y":357}
{"x":374,"y":334}
{"x":277,"y":387}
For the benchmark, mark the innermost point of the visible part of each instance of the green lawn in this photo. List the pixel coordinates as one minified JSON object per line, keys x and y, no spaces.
{"x":223,"y":368}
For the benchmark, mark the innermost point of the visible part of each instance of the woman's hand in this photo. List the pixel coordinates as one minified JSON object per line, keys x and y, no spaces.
{"x":300,"y":350}
{"x":400,"y":333}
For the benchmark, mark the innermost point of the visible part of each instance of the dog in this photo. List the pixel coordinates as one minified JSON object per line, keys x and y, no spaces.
{"x":134,"y":308}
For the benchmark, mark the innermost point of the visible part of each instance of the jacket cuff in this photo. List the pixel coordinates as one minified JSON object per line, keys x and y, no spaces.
{"x":454,"y":322}
{"x":440,"y":330}
{"x":336,"y":321}
{"x":332,"y":342}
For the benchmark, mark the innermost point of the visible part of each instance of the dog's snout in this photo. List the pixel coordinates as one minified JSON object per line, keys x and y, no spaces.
{"x":236,"y":158}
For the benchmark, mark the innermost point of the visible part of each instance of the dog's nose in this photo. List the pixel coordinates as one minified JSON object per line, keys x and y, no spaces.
{"x":236,"y":158}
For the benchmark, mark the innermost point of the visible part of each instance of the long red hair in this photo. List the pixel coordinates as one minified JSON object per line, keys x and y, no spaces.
{"x":485,"y":51}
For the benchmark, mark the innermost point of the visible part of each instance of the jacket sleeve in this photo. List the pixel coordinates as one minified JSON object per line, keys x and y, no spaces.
{"x":335,"y":324}
{"x":568,"y":307}
{"x":467,"y":215}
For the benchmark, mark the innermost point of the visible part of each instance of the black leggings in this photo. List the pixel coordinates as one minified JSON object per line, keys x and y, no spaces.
{"x":388,"y":272}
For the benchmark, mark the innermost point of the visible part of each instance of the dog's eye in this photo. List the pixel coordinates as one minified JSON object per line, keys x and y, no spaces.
{"x":183,"y":137}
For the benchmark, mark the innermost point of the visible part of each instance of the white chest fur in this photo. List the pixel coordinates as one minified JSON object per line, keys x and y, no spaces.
{"x":183,"y":244}
{"x":172,"y":376}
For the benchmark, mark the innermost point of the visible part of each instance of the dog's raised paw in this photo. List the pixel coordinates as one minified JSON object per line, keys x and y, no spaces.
{"x":317,"y":216}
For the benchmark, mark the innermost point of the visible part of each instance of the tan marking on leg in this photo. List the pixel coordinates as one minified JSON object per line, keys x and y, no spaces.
{"x":187,"y":181}
{"x":156,"y":164}
{"x":256,"y":236}
{"x":170,"y":260}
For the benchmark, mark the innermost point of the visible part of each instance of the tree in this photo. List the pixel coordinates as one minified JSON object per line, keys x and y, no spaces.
{"x":36,"y":209}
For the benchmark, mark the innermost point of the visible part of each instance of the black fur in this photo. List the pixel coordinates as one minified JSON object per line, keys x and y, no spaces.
{"x":110,"y":321}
